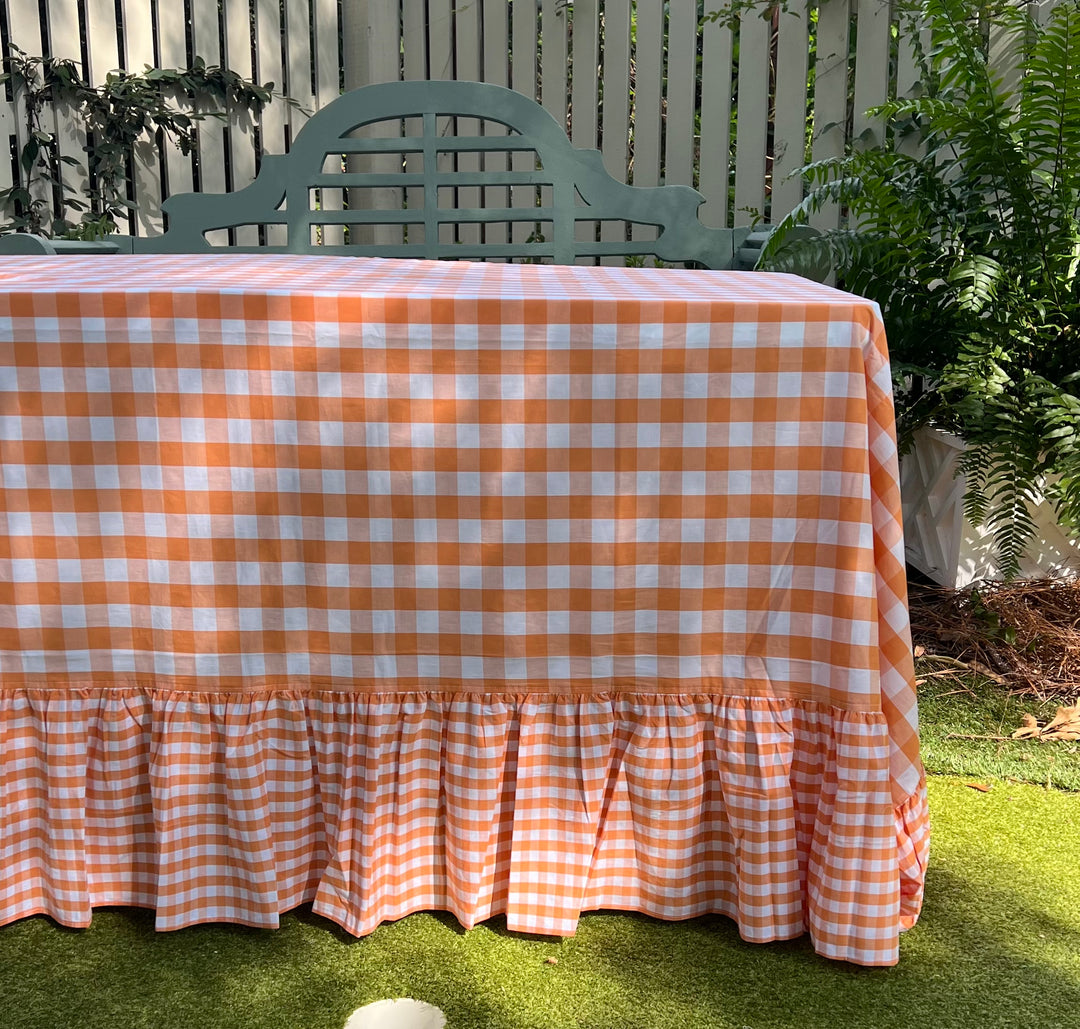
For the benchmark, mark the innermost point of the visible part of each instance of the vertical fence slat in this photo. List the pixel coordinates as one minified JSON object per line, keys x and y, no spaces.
{"x":102,"y":51}
{"x":138,"y":37}
{"x":553,"y":59}
{"x":8,"y":123}
{"x":269,"y":68}
{"x":467,"y":66}
{"x":496,"y":33}
{"x":871,"y":69}
{"x":298,"y":68}
{"x":1005,"y":50}
{"x":298,"y":65}
{"x":496,"y":69}
{"x":24,"y":26}
{"x":327,"y":88}
{"x":172,"y":45}
{"x":139,"y":53}
{"x":467,"y":56}
{"x":714,"y":173}
{"x":523,"y":28}
{"x":616,"y":105}
{"x":830,"y":92}
{"x":647,"y":89}
{"x":241,"y":134}
{"x":871,"y":72}
{"x":414,"y":39}
{"x":25,"y":32}
{"x":615,"y":114}
{"x":752,"y":124}
{"x":908,"y":75}
{"x":272,"y":120}
{"x":789,"y":125}
{"x":907,"y":69}
{"x":440,"y":31}
{"x":7,"y":130}
{"x":554,"y":84}
{"x":584,"y":82}
{"x":371,"y":47}
{"x":1042,"y":9}
{"x":327,"y":62}
{"x":69,"y":131}
{"x":681,"y":78}
{"x":648,"y":102}
{"x":101,"y":39}
{"x":371,"y":43}
{"x":584,"y":101}
{"x":207,"y":43}
{"x":414,"y":32}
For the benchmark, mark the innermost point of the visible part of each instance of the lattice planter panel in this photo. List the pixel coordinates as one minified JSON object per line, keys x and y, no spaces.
{"x":943,"y":544}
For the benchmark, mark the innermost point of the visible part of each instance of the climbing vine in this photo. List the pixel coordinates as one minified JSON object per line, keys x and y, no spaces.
{"x":155,"y":106}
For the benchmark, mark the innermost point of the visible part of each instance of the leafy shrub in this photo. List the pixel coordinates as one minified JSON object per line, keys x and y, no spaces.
{"x":970,"y":244}
{"x":124,"y":110}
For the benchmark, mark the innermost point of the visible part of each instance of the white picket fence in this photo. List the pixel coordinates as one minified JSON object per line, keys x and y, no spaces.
{"x":688,"y":114}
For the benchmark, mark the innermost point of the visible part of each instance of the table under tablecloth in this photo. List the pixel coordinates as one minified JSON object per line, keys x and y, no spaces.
{"x":395,"y":585}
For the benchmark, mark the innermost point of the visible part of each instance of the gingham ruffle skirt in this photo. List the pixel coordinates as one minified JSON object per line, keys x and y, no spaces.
{"x":239,"y":807}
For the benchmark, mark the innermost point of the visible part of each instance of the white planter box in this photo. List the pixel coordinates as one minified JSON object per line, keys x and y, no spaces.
{"x":942,"y":544}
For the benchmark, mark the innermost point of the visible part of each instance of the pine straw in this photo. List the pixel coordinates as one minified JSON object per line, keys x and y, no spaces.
{"x":1024,"y":635}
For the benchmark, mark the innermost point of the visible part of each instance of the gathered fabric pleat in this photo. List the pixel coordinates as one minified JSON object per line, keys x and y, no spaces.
{"x":237,"y":807}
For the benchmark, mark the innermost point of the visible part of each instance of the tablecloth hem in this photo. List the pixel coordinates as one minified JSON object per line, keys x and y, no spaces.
{"x":779,"y":812}
{"x":913,"y":846}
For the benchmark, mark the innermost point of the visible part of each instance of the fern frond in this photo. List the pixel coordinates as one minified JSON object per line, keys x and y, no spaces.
{"x":1048,"y":120}
{"x":972,"y":251}
{"x":977,"y":276}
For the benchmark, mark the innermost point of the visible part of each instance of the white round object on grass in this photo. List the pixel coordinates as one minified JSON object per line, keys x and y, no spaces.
{"x":399,"y":1013}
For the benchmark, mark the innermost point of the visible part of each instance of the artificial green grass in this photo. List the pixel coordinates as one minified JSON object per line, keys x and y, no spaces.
{"x":953,"y":710}
{"x":998,"y":945}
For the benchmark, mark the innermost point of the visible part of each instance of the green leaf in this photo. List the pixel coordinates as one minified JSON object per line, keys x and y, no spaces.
{"x":977,"y":277}
{"x":31,"y":149}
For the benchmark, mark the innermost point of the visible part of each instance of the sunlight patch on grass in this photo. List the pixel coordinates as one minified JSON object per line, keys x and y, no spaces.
{"x":952,"y":711}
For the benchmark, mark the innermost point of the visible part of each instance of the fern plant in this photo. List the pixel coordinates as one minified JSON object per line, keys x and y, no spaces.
{"x":970,"y":244}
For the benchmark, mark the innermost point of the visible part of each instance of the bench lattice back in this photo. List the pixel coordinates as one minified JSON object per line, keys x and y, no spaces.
{"x":567,"y":192}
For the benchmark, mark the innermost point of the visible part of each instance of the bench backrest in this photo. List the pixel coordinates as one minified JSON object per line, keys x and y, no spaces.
{"x":527,"y":160}
{"x":539,"y":197}
{"x":420,"y":150}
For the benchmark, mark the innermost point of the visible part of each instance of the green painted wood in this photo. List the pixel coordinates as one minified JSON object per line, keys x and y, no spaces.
{"x":281,"y":195}
{"x":288,"y":180}
{"x":27,"y":243}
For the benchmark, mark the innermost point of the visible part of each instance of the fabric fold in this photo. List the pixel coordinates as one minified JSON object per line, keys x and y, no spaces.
{"x":913,"y":846}
{"x":227,"y":807}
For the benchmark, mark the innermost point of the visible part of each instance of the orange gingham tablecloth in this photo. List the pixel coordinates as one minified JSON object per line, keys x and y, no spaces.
{"x":392,"y":585}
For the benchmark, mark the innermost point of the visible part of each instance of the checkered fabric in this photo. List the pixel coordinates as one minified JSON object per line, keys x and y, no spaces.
{"x":394,"y":585}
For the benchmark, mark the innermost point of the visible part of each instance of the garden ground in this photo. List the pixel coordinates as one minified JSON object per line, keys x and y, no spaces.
{"x":998,"y":944}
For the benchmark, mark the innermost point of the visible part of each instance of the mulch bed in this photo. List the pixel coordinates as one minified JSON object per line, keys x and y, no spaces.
{"x":1024,"y":635}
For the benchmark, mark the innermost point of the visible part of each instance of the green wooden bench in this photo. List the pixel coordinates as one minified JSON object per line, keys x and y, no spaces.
{"x":544,"y":200}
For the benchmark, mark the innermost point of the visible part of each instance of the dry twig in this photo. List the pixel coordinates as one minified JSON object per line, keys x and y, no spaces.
{"x":1024,"y":635}
{"x":970,"y":736}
